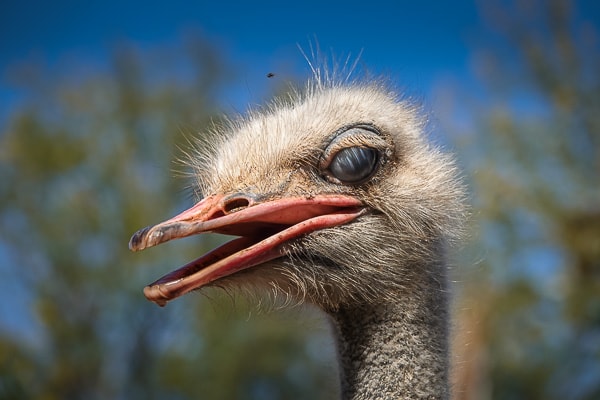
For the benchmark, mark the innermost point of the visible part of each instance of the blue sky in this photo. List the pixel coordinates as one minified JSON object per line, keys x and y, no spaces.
{"x":416,"y":43}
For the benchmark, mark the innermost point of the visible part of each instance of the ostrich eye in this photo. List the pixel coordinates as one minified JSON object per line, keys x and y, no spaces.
{"x":354,"y":165}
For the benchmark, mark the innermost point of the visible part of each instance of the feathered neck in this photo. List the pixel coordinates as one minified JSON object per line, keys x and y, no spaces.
{"x":395,"y":351}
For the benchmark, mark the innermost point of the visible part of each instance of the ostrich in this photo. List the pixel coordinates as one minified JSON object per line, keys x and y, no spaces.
{"x":338,"y":200}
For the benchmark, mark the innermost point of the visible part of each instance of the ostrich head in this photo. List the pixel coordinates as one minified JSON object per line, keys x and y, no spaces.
{"x":334,"y":193}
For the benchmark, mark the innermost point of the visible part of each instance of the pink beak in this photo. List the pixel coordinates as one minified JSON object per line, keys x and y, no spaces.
{"x":264,"y":229}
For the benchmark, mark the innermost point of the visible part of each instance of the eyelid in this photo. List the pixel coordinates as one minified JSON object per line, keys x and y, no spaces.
{"x":356,"y":136}
{"x":354,"y":165}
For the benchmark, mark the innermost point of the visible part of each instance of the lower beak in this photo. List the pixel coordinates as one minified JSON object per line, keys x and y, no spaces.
{"x":263,"y":228}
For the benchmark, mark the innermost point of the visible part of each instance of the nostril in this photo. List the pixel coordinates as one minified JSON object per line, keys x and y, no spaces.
{"x":235,"y":204}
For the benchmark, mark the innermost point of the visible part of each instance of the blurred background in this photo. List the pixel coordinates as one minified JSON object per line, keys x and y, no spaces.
{"x":98,"y":100}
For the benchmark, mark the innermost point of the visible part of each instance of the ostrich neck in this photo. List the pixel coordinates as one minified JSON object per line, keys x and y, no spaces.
{"x":395,"y":351}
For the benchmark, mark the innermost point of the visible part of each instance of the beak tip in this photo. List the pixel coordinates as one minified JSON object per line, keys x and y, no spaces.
{"x":137,"y":241}
{"x":155,"y":294}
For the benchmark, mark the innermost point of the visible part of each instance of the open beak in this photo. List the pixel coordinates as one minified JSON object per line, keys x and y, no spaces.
{"x":263,"y":228}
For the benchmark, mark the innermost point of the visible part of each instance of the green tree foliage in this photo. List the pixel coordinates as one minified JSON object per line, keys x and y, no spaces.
{"x":86,"y":160}
{"x":529,"y":315}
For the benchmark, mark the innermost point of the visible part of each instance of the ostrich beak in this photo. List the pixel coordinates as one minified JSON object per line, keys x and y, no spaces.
{"x":264,"y":229}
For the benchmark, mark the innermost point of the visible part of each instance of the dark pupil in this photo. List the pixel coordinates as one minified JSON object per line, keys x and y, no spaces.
{"x":354,"y":164}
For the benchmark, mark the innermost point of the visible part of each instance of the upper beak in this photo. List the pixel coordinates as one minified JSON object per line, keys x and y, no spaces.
{"x":264,"y":229}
